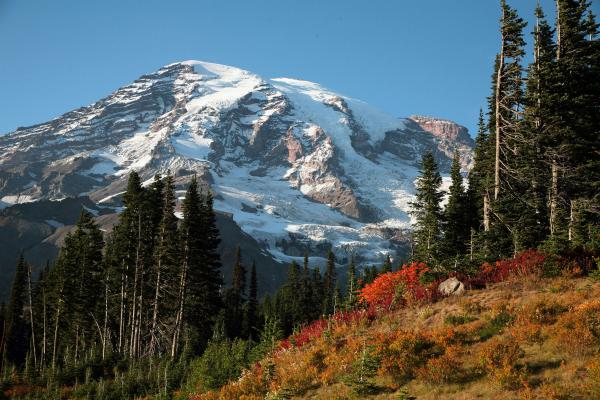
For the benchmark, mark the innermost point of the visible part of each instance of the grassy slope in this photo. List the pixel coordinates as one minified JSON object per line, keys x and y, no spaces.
{"x":525,"y":338}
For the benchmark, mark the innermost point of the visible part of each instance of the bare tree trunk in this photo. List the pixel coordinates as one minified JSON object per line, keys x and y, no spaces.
{"x":45,"y":339}
{"x":181,"y":302}
{"x":154,"y":333}
{"x":558,"y":30}
{"x":498,"y":124}
{"x":135,"y":288}
{"x":121,"y":309}
{"x":471,"y":245}
{"x":33,"y":342}
{"x":571,"y":219}
{"x":55,"y":341}
{"x":105,"y":327}
{"x":553,"y":197}
{"x":486,"y":212}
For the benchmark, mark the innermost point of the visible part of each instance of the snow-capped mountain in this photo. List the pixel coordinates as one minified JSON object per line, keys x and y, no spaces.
{"x":296,"y":165}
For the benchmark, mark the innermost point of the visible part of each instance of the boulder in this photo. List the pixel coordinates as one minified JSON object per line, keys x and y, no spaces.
{"x":451,"y":287}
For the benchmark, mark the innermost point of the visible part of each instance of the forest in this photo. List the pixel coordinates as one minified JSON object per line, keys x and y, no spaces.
{"x":143,"y":311}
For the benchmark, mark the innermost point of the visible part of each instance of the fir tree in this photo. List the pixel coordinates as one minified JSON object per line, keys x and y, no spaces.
{"x":456,"y":224}
{"x":166,"y":261}
{"x":352,"y":288}
{"x":387,"y":265}
{"x":235,"y":297}
{"x":251,"y":311}
{"x":427,"y":212}
{"x":329,"y":285}
{"x":16,"y":341}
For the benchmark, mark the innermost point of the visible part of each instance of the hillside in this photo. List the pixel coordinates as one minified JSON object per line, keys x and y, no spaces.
{"x":525,"y":338}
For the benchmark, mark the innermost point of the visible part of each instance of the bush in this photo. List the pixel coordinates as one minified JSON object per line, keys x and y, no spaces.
{"x":443,"y":369}
{"x":578,"y":331}
{"x":498,"y":358}
{"x":402,"y":353}
{"x":407,"y":285}
{"x":525,"y":263}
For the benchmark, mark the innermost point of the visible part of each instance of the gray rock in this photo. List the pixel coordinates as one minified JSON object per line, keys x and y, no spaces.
{"x":451,"y":287}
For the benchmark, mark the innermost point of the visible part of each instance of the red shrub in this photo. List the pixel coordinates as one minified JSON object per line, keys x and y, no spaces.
{"x":524,"y":263}
{"x":392,"y":287}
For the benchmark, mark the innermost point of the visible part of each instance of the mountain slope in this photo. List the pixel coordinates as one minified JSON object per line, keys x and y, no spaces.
{"x":298,"y":166}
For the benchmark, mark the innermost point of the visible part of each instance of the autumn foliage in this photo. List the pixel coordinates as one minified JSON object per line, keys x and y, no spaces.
{"x":524,"y":263}
{"x":397,"y":288}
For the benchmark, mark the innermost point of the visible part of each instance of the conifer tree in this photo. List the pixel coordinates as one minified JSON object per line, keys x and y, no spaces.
{"x":329,"y":285}
{"x":16,"y":341}
{"x":352,"y":289}
{"x":456,"y":224}
{"x":235,"y":297}
{"x":166,"y":261}
{"x":190,"y":271}
{"x":427,"y":212}
{"x":251,"y":311}
{"x":387,"y":265}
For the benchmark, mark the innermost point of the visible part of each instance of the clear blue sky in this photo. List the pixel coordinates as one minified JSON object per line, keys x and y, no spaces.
{"x":429,"y":57}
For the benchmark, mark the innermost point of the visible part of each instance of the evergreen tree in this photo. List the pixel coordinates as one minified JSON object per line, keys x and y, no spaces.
{"x":16,"y":342}
{"x":190,"y":274}
{"x":352,"y":288}
{"x":426,"y":211}
{"x":166,"y":261}
{"x":456,"y":224}
{"x":574,"y":122}
{"x":387,"y":265}
{"x":329,"y":285}
{"x":251,"y":311}
{"x":235,"y":297}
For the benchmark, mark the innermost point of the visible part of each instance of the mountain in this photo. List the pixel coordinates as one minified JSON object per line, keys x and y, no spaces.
{"x":294,"y":165}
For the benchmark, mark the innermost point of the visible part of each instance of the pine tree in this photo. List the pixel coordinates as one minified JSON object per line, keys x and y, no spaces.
{"x":190,"y":273}
{"x":329,"y":285}
{"x":387,"y":265}
{"x":251,"y":311}
{"x":574,"y":125}
{"x":427,"y":212}
{"x":352,"y":289}
{"x":235,"y":298}
{"x":456,"y":224}
{"x":16,"y":342}
{"x":166,"y":261}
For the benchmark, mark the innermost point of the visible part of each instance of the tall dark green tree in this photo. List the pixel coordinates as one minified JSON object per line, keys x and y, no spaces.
{"x":456,"y":223}
{"x":251,"y":311}
{"x":235,"y":298}
{"x":166,"y":261}
{"x":330,"y":285}
{"x":16,"y":341}
{"x":427,"y":212}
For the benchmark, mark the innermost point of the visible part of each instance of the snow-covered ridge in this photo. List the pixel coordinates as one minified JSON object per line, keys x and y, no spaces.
{"x":297,"y":165}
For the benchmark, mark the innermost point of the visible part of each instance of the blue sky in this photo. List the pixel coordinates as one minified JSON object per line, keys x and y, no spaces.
{"x":429,"y":57}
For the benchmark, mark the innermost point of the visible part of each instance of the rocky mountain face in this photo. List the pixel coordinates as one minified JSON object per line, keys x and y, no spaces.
{"x":294,"y":165}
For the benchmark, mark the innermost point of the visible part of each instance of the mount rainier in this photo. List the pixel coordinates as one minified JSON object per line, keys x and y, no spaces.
{"x":294,"y":165}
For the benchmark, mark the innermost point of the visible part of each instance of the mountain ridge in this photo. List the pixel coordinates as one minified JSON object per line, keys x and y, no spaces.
{"x":297,"y":166}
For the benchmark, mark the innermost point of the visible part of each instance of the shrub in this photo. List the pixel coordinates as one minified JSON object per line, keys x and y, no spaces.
{"x":498,"y":358}
{"x":579,"y":330}
{"x":397,"y":288}
{"x":443,"y":369}
{"x":502,"y":317}
{"x":403,"y":352}
{"x":525,"y":263}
